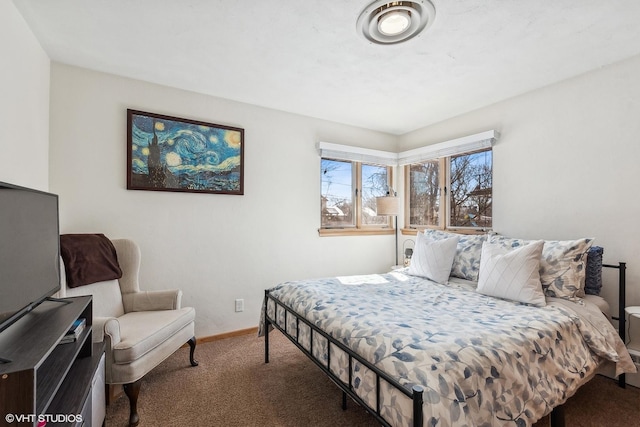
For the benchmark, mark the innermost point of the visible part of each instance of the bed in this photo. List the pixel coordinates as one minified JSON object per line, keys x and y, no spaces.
{"x":415,"y":351}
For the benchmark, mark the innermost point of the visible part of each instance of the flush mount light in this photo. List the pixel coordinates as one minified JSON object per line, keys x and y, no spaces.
{"x":394,"y":22}
{"x":386,"y":22}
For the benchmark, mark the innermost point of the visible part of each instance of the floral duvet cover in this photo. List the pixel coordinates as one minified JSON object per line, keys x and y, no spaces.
{"x":482,"y":361}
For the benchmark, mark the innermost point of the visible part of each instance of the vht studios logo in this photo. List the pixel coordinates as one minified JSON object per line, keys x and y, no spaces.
{"x":43,"y":419}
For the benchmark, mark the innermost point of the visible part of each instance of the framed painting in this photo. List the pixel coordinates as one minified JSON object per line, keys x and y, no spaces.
{"x":167,"y":153}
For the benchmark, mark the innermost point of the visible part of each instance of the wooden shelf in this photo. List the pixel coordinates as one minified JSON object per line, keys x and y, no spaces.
{"x":55,"y":369}
{"x":42,"y":375}
{"x":76,"y":387}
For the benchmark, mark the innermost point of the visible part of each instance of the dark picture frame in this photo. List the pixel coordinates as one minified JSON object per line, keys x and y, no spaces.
{"x":166,"y":153}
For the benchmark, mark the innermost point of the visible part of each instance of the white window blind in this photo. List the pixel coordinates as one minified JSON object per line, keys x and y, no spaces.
{"x":466,"y":144}
{"x":357,"y":154}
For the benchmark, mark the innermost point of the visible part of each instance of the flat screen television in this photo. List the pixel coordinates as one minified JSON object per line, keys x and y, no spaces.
{"x":29,"y":250}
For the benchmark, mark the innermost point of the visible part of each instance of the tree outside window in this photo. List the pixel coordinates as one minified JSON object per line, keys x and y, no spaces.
{"x":457,"y":188}
{"x":337,"y":194}
{"x":471,"y":190}
{"x":348,"y":194}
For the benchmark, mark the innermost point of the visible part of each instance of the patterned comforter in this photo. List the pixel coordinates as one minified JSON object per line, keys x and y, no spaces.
{"x":482,"y":361}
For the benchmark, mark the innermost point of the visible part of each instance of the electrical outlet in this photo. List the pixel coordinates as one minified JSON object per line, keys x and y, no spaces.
{"x":239,"y":305}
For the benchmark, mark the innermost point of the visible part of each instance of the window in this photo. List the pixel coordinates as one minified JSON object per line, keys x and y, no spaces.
{"x":337,"y":194}
{"x":451,"y":192}
{"x":448,"y":185}
{"x":348,"y":196}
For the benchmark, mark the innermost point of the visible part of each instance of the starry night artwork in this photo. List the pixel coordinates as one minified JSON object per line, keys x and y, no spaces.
{"x":171,"y":154}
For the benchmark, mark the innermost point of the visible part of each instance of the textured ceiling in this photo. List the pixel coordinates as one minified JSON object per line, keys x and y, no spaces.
{"x":305,"y":56}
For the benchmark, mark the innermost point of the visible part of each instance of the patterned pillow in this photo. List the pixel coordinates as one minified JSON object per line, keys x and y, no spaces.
{"x":512,"y":274}
{"x":466,"y":263}
{"x":433,"y":258}
{"x":593,"y":273}
{"x":562,"y":265}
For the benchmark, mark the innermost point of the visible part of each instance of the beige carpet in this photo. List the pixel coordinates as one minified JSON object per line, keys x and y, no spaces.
{"x":233,"y":387}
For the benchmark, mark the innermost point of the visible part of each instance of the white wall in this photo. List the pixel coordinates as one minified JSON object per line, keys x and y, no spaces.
{"x":567,"y":165}
{"x":24,"y":103}
{"x":215,"y":247}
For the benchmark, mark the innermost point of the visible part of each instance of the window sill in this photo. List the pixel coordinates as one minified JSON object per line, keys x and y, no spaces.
{"x":329,"y":232}
{"x":414,"y":231}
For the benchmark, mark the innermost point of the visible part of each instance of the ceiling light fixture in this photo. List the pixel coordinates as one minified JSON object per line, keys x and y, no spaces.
{"x":395,"y":22}
{"x":385,"y":22}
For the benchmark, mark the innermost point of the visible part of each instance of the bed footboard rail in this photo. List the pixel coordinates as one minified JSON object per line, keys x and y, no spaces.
{"x":415,"y":394}
{"x":622,"y":303}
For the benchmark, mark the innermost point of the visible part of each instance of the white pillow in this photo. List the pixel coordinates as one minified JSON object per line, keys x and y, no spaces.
{"x":562,"y":265}
{"x":512,"y":274}
{"x":433,"y":258}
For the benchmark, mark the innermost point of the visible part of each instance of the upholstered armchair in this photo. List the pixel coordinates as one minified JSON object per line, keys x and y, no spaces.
{"x":140,"y":329}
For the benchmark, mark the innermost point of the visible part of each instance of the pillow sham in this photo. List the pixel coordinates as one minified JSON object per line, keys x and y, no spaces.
{"x":433,"y":258}
{"x":593,"y":272}
{"x":562,"y":264}
{"x":512,"y":274}
{"x":466,"y":263}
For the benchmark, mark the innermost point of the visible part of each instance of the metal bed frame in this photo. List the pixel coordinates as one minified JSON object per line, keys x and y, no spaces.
{"x":622,"y":303}
{"x":416,"y":393}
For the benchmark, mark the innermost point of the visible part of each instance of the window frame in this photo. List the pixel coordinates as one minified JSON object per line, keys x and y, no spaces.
{"x":444,"y":209}
{"x":359,"y":228}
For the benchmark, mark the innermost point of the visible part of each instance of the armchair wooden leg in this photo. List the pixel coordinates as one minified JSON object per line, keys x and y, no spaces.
{"x":192,"y":344}
{"x":132,"y":390}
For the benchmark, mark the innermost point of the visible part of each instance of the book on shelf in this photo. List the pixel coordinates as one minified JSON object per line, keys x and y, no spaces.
{"x":74,"y":331}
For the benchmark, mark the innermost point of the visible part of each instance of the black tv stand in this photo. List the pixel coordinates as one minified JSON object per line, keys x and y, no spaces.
{"x":62,"y":300}
{"x":43,"y":376}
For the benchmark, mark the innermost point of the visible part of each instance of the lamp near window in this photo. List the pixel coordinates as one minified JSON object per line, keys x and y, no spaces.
{"x":390,"y":206}
{"x":407,"y":249}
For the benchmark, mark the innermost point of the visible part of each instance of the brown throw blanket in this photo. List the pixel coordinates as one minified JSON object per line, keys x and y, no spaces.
{"x":88,"y":258}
